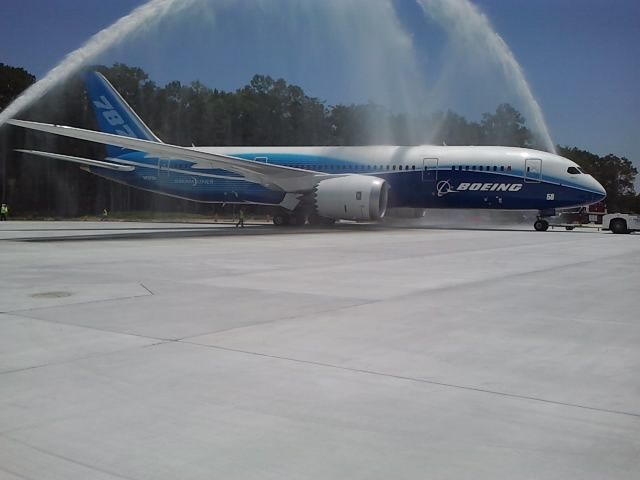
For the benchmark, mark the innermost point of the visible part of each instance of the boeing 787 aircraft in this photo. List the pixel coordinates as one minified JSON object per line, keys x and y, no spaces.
{"x":324,"y":184}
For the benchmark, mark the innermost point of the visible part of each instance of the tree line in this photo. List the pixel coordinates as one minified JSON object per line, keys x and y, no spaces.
{"x":265,"y":112}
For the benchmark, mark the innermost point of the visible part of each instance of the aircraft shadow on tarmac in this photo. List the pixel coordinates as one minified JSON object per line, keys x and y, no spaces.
{"x":168,"y":232}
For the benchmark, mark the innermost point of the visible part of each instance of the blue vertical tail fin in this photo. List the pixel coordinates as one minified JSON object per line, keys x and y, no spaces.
{"x":113,"y":113}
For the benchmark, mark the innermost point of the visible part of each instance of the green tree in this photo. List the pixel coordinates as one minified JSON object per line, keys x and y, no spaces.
{"x":453,"y":129}
{"x":13,"y":81}
{"x":505,"y":127}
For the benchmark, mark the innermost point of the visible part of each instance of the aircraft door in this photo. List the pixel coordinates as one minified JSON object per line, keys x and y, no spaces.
{"x":163,"y":168}
{"x":430,"y":170}
{"x":532,"y":170}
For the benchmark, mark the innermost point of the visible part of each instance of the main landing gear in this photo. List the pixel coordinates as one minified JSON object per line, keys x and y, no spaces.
{"x":281,"y":219}
{"x":298,"y":219}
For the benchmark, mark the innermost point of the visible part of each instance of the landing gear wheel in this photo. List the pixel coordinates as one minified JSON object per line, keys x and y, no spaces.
{"x":618,"y":226}
{"x":297,"y":220}
{"x":317,"y":220}
{"x":541,"y":225}
{"x":280,"y":219}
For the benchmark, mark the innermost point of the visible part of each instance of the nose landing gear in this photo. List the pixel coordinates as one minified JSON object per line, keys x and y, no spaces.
{"x":541,"y":225}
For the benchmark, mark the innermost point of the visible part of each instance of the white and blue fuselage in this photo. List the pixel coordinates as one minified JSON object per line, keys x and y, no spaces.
{"x":419,"y":177}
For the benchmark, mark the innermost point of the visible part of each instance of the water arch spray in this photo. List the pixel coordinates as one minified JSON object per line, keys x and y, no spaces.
{"x":382,"y":57}
{"x":142,"y":17}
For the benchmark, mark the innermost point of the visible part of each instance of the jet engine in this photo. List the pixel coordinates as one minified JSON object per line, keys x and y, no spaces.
{"x":352,"y":197}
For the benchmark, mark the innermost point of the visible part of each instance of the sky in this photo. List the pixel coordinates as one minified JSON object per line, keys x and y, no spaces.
{"x":581,"y":58}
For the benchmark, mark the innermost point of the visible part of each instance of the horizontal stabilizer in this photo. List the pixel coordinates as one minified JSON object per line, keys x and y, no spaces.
{"x":83,"y":161}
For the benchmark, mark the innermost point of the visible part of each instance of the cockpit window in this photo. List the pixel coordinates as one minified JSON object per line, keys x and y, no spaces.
{"x":573,"y":171}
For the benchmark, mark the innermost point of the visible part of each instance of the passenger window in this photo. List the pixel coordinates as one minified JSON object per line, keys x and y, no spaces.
{"x":466,"y":167}
{"x":480,"y":168}
{"x":508,"y":168}
{"x":473,"y":167}
{"x":394,"y":167}
{"x":413,"y":167}
{"x":502,"y":168}
{"x":495,"y":168}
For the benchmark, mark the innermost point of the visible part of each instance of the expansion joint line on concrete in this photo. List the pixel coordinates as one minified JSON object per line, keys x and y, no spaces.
{"x":15,"y":474}
{"x":89,"y":356}
{"x":147,"y":289}
{"x":422,"y":380}
{"x":68,"y":459}
{"x":87,"y":302}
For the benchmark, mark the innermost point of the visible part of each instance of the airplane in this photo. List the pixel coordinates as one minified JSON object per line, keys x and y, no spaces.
{"x":321,"y":185}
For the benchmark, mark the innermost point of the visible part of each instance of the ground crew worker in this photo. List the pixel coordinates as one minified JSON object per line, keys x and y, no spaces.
{"x":240,"y":219}
{"x":4,"y":211}
{"x":105,"y":214}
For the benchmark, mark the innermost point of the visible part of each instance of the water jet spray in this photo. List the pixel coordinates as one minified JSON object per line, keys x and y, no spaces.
{"x":468,"y":25}
{"x":144,"y":16}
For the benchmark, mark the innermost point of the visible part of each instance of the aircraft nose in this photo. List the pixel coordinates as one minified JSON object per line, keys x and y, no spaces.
{"x":601,"y":193}
{"x":598,"y":192}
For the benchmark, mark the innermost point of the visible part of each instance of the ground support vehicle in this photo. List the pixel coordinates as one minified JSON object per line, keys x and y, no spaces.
{"x":621,"y":222}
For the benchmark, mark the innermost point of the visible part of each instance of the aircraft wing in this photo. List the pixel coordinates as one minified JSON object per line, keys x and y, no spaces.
{"x":275,"y":177}
{"x":83,"y":161}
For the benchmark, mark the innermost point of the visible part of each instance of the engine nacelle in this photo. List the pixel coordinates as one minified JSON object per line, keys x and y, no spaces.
{"x":353,"y":197}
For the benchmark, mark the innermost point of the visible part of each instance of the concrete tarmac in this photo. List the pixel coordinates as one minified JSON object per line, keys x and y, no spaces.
{"x":153,"y":351}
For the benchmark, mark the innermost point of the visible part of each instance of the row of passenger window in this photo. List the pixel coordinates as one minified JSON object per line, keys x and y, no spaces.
{"x":381,"y":168}
{"x":481,"y":168}
{"x":376,"y":168}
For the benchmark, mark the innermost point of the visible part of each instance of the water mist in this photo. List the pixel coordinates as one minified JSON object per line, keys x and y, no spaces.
{"x":467,"y":25}
{"x":144,"y":16}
